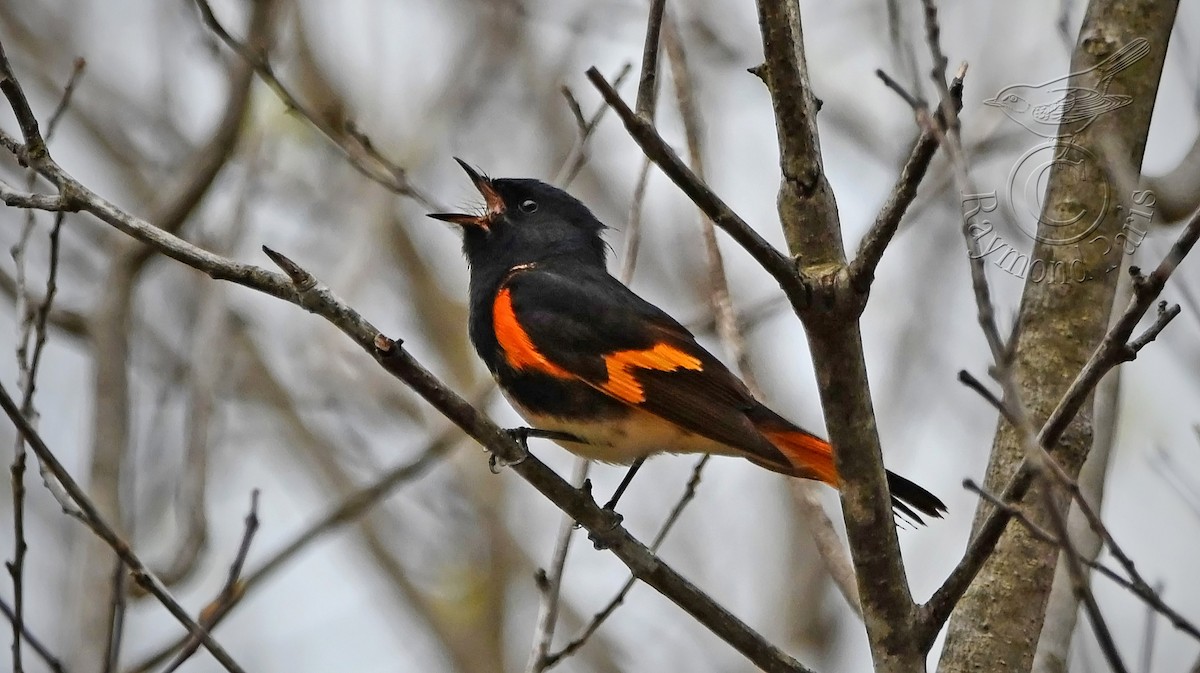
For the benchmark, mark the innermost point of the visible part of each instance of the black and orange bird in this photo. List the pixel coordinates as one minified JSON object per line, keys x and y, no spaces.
{"x":605,"y":373}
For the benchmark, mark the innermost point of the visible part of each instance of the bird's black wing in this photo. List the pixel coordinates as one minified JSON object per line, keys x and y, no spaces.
{"x":585,"y":324}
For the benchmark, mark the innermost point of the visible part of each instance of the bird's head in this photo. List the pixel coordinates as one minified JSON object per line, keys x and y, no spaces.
{"x":524,"y":221}
{"x":1011,"y":100}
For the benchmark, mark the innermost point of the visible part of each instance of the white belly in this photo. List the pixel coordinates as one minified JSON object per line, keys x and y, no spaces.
{"x":638,"y":435}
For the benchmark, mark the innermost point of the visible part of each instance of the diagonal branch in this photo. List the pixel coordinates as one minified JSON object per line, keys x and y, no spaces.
{"x":350,"y":509}
{"x":879,"y":236}
{"x":689,"y":492}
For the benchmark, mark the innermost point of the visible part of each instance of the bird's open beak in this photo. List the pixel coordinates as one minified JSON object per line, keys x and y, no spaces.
{"x":494,"y":205}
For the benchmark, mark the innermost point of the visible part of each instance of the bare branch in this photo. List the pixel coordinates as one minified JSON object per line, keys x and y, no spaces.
{"x":1136,"y":583}
{"x":72,"y":322}
{"x":647,"y":95}
{"x":550,"y":582}
{"x":32,"y":329}
{"x":1149,"y":595}
{"x":354,"y":144}
{"x":301,"y":288}
{"x":1075,"y":307}
{"x":64,"y":101}
{"x":633,"y":231}
{"x":350,"y":509}
{"x":657,"y":150}
{"x":809,"y":216}
{"x":875,"y":242}
{"x":233,"y":587}
{"x":578,"y":154}
{"x":17,"y":199}
{"x":830,"y":547}
{"x":1079,"y":581}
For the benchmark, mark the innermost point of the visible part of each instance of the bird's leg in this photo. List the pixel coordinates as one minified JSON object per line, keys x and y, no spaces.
{"x":614,"y":519}
{"x":611,"y":505}
{"x":609,"y":508}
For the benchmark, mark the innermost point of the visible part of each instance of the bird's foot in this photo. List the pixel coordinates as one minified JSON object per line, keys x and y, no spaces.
{"x":612,"y":519}
{"x":521,"y":437}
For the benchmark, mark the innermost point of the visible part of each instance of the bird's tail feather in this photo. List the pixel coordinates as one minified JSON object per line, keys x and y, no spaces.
{"x":812,"y":458}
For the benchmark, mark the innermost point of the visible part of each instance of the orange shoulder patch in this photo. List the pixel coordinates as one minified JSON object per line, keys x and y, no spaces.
{"x":519,"y":351}
{"x":661,"y":357}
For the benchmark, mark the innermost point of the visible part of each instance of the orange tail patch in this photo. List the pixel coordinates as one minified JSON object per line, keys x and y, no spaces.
{"x":810,"y":456}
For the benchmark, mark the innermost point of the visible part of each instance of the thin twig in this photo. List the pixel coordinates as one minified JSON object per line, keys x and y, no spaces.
{"x":1149,"y":596}
{"x":1136,"y":582}
{"x":354,"y":144}
{"x":346,"y":512}
{"x":52,"y":662}
{"x":550,"y":582}
{"x":633,"y":231}
{"x":577,"y":156}
{"x":118,"y":603}
{"x":1149,"y":631}
{"x":32,"y":328}
{"x":1045,"y":464}
{"x":647,"y":94}
{"x":1079,"y":580}
{"x":879,"y":236}
{"x":77,"y":68}
{"x":233,"y":586}
{"x":1115,"y":348}
{"x":18,"y":199}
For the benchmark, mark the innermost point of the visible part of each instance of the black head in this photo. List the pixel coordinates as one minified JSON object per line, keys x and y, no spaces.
{"x":527,"y":221}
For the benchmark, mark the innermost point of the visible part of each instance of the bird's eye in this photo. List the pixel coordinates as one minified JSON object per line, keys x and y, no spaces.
{"x":528,"y":206}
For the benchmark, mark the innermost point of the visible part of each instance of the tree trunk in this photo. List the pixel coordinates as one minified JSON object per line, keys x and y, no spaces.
{"x":1064,"y":315}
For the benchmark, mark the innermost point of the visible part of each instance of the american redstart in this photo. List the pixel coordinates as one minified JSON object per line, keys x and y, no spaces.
{"x":604,"y":372}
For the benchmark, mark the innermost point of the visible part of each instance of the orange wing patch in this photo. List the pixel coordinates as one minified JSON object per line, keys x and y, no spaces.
{"x":661,"y":357}
{"x":519,"y":351}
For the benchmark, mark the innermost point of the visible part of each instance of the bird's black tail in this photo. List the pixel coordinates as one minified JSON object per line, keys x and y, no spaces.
{"x":907,"y":497}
